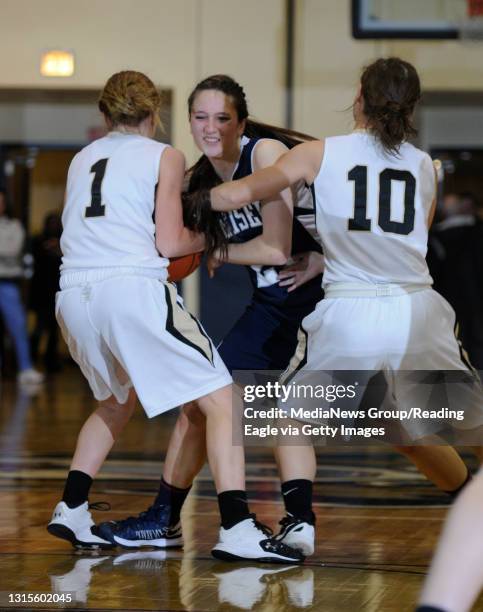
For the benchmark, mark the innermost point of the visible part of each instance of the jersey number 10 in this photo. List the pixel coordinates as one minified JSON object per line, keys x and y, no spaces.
{"x":360,"y":222}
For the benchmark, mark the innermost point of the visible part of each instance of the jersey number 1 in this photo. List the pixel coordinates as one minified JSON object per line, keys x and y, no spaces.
{"x":96,"y":208}
{"x":360,"y":222}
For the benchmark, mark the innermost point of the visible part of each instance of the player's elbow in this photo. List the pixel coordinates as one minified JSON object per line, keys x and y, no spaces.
{"x":280,"y":259}
{"x":168,"y":247}
{"x":278,"y":256}
{"x":283,"y":251}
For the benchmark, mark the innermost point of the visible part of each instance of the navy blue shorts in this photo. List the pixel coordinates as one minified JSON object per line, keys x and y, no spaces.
{"x":263,"y":338}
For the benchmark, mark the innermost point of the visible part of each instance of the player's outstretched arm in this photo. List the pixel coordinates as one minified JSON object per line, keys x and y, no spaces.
{"x":456,"y":574}
{"x":173,"y":239}
{"x":273,"y":245}
{"x":300,"y":163}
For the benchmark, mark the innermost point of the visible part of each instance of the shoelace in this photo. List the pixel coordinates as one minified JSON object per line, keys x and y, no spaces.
{"x":288,"y":520}
{"x":152,"y":512}
{"x":102,"y":506}
{"x":261,"y":527}
{"x":295,"y":520}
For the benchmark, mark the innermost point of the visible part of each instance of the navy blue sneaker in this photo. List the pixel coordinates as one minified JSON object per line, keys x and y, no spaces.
{"x":150,"y":528}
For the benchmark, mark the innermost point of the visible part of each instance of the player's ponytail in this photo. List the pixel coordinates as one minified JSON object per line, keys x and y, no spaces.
{"x":290,"y":138}
{"x":390,"y":90}
{"x":128,"y":98}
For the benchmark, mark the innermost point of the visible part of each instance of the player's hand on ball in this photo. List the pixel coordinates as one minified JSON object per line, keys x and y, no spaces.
{"x":305,"y":267}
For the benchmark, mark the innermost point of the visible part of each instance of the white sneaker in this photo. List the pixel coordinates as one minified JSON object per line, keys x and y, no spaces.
{"x":75,"y":525}
{"x":30,"y":377}
{"x":297,"y":534}
{"x":300,"y":588}
{"x":251,"y":540}
{"x":245,"y":586}
{"x":78,"y":580}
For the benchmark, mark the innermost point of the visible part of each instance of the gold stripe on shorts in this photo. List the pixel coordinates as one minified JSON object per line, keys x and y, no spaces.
{"x":183,"y":326}
{"x":299,"y":358}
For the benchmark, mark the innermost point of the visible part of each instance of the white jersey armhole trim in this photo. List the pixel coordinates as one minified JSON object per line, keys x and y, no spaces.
{"x":322,"y":162}
{"x":426,"y":159}
{"x":158,"y":158}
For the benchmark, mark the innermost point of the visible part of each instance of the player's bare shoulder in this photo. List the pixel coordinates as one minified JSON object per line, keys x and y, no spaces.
{"x":172,"y":161}
{"x":266,"y":152}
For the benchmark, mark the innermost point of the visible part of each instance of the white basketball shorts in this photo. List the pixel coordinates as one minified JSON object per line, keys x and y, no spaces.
{"x":404,"y":332}
{"x":128,"y":330}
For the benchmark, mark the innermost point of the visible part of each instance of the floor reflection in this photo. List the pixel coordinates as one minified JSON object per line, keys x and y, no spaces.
{"x":159,"y":580}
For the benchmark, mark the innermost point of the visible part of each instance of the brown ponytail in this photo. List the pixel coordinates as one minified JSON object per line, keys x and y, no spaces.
{"x":390,"y":89}
{"x":128,"y":98}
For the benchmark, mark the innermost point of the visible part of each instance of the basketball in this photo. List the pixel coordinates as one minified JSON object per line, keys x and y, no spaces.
{"x":181,"y":267}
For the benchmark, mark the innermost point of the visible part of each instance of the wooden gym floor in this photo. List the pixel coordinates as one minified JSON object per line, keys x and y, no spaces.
{"x":378,"y":521}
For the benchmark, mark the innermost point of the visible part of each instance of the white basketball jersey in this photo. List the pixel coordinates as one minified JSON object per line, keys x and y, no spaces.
{"x":108,"y":217}
{"x":372,"y":211}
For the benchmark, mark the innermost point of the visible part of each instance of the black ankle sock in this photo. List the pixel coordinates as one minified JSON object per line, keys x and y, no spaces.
{"x":297,"y":497}
{"x":174,"y":497}
{"x":454,"y":494}
{"x":77,"y":487}
{"x":233,"y":507}
{"x":429,"y":609}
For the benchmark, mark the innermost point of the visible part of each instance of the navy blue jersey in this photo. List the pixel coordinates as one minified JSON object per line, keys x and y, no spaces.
{"x":246,"y":223}
{"x":265,"y":336}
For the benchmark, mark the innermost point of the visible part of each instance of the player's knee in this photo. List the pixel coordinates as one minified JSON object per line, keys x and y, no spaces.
{"x":192,"y":416}
{"x":219,"y":403}
{"x":115,"y":415}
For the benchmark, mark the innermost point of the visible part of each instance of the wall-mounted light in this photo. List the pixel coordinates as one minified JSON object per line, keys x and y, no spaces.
{"x":57,"y":63}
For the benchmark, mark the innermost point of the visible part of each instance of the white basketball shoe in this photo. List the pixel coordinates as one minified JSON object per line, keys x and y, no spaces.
{"x":298,"y":534}
{"x":250,"y":540}
{"x":76,"y":526}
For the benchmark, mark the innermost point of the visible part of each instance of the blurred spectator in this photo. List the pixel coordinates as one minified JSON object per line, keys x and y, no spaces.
{"x":455,"y":260}
{"x":12,"y":237}
{"x":45,"y":284}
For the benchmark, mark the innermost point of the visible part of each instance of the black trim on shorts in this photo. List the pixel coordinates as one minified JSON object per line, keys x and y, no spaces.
{"x":171,"y":329}
{"x":303,"y":361}
{"x":203,"y":333}
{"x":463,"y":354}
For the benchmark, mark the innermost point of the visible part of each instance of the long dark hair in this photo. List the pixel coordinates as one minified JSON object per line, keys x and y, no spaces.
{"x":390,"y":89}
{"x":202,"y":175}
